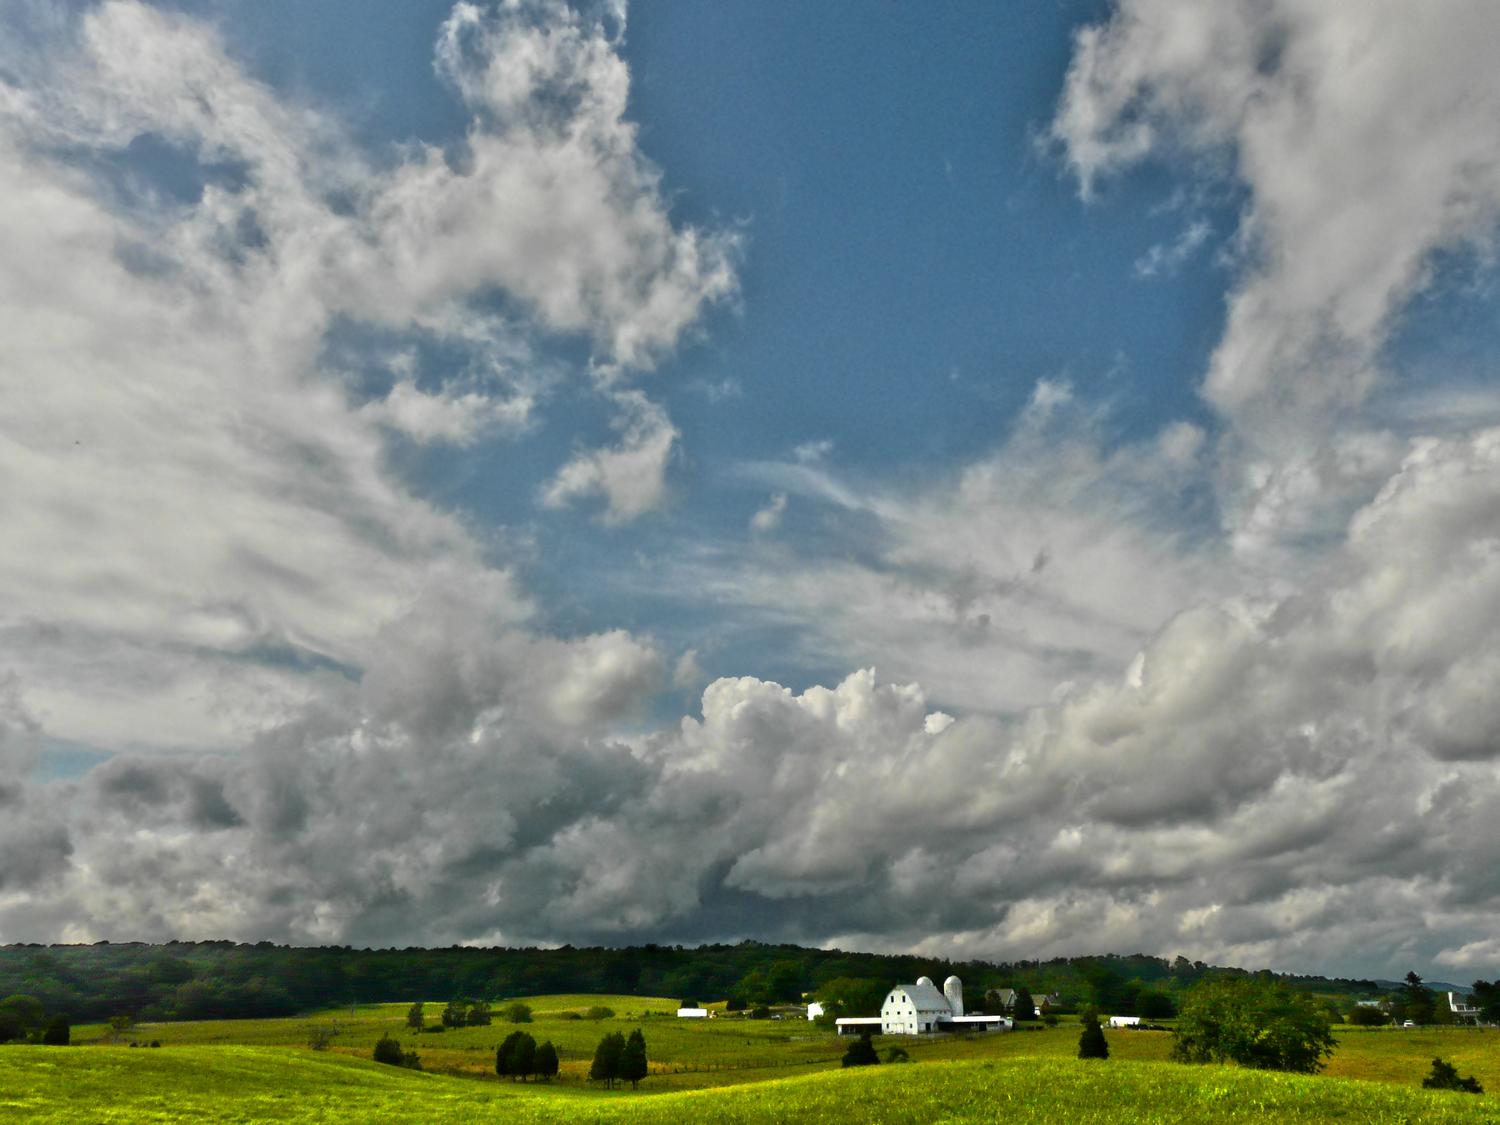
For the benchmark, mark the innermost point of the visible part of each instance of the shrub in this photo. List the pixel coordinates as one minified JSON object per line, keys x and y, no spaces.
{"x":861,"y":1053}
{"x":1255,"y":1023}
{"x":1362,"y":1015}
{"x":600,"y":1012}
{"x":1444,"y":1076}
{"x":760,"y":1013}
{"x":57,"y":1033}
{"x":897,"y":1055}
{"x":734,"y":1005}
{"x":388,"y":1051}
{"x":517,"y":1012}
{"x":156,"y":1042}
{"x":1091,"y":1041}
{"x":319,"y":1038}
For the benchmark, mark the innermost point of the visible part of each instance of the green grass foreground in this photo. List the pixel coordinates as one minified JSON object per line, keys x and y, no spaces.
{"x":251,"y":1084}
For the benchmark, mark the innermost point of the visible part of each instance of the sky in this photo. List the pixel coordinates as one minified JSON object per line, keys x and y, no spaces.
{"x":994,"y":480}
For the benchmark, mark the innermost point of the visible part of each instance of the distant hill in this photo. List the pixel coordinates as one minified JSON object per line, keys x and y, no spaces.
{"x":219,"y":979}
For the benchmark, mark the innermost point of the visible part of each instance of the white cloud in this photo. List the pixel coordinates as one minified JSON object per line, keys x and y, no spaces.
{"x":210,"y":522}
{"x":768,"y":519}
{"x":631,"y":475}
{"x":1367,"y":138}
{"x":1169,"y":257}
{"x":448,"y":416}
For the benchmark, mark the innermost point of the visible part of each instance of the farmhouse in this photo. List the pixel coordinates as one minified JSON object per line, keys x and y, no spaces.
{"x":692,"y":1013}
{"x":920,"y":1009}
{"x":1124,"y":1021}
{"x":1461,"y":1007}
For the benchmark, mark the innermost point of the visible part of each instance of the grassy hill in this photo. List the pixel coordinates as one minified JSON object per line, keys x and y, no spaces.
{"x":200,"y":1083}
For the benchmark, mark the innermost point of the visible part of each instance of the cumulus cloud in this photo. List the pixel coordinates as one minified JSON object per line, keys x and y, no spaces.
{"x":1124,"y":735}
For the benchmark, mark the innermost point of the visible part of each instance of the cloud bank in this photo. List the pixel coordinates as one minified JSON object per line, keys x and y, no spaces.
{"x":1224,"y":693}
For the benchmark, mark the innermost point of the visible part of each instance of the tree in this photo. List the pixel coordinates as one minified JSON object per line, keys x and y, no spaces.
{"x":1154,"y":1005}
{"x":414,"y":1017}
{"x":516,"y":1012}
{"x":25,"y":1010}
{"x":1091,"y":1041}
{"x":10,"y":1026}
{"x":1367,"y":1015}
{"x":600,"y":1012}
{"x":523,"y":1056}
{"x":57,"y":1032}
{"x":1025,"y":1006}
{"x":784,"y":982}
{"x":1444,"y":1076}
{"x":478,"y":1014}
{"x":505,"y":1052}
{"x":456,"y":1013}
{"x":861,"y":1052}
{"x":1254,"y":1022}
{"x":606,"y":1065}
{"x":633,"y":1059}
{"x":1413,"y":1001}
{"x":1485,"y":996}
{"x":516,"y":1057}
{"x":546,"y":1061}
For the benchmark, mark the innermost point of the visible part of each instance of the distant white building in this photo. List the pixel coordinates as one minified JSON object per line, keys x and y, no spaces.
{"x":692,"y":1013}
{"x":1124,"y":1021}
{"x":1459,"y":1005}
{"x":814,"y":1010}
{"x":920,"y":1009}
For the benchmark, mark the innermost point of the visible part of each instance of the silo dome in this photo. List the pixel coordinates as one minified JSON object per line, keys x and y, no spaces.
{"x":953,"y":991}
{"x":927,"y":981}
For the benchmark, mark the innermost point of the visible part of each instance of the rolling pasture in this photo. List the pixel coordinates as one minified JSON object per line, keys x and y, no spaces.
{"x":723,"y":1069}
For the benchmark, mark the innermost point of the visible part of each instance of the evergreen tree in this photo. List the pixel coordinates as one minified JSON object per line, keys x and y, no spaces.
{"x":606,"y":1064}
{"x":633,"y":1059}
{"x":1091,"y":1043}
{"x":861,"y":1052}
{"x":414,"y":1017}
{"x":546,"y":1061}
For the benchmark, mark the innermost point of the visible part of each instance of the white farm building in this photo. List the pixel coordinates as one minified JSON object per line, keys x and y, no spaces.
{"x":920,"y":1009}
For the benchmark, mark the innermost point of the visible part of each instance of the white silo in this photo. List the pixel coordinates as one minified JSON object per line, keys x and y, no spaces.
{"x":953,"y":989}
{"x":925,"y":980}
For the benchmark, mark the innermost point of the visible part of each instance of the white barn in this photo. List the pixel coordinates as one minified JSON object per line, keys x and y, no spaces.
{"x":920,"y":1009}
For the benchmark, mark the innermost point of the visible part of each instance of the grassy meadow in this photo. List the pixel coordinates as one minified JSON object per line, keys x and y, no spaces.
{"x":725,"y":1069}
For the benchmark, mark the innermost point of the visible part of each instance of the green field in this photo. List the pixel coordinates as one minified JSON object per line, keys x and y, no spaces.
{"x":279,"y":1084}
{"x":728,"y":1068}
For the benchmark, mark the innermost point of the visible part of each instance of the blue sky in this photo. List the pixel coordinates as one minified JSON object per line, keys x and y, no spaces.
{"x":708,"y":471}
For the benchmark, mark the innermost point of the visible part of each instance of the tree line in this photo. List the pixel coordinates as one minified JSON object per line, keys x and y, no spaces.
{"x":220,"y":979}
